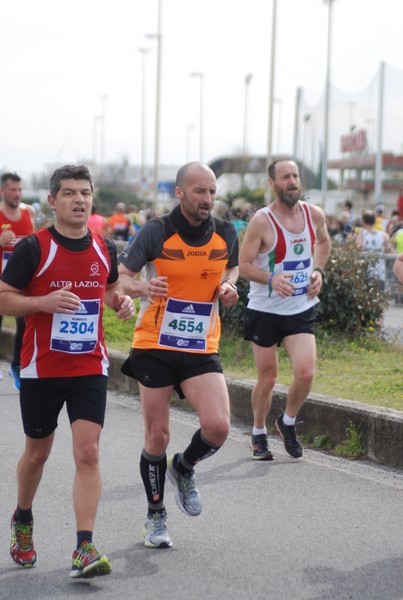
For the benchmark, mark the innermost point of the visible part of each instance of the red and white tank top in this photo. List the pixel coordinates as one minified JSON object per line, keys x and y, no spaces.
{"x":67,"y":345}
{"x":290,"y":254}
{"x":21,"y":228}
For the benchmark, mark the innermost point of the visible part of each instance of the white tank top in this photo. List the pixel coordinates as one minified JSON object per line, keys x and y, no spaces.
{"x":292,"y":254}
{"x":374,"y":241}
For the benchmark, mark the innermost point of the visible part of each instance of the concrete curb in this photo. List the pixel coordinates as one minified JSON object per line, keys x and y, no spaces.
{"x":382,"y":429}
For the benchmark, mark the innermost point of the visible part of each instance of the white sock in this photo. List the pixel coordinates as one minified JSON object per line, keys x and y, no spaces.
{"x":259,"y":431}
{"x":288,"y":420}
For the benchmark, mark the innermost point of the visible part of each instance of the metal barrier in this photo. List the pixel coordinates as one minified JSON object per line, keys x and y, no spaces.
{"x":393,"y":289}
{"x":393,"y":317}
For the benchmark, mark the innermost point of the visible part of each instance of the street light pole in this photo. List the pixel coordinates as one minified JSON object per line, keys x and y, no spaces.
{"x":306,"y":119}
{"x":143,"y":52}
{"x":95,"y":120}
{"x":271,"y":90}
{"x":103,"y":98}
{"x":189,"y":128}
{"x":200,"y":76}
{"x":327,"y":102}
{"x":279,"y":102}
{"x":158,"y":37}
{"x":247,"y":81}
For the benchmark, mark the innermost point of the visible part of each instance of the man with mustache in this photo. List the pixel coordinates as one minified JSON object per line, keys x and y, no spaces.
{"x":283,"y":255}
{"x":190,"y":260}
{"x":17,"y":220}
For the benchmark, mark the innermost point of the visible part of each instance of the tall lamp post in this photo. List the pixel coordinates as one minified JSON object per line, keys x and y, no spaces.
{"x":200,"y":76}
{"x":103,"y":98}
{"x":278,"y":101}
{"x":96,"y":119}
{"x":247,"y":81}
{"x":143,"y":52}
{"x":271,"y":90}
{"x":157,"y":36}
{"x":306,"y":119}
{"x":327,"y":101}
{"x":189,"y":128}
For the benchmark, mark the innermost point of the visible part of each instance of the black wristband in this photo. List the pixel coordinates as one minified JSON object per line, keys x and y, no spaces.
{"x":321,"y":271}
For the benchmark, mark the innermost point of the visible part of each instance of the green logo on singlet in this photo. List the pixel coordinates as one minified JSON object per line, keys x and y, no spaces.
{"x":298,"y":249}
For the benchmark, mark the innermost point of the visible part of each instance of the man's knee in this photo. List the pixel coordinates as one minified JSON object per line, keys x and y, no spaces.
{"x":216,"y":431}
{"x":266,"y":380}
{"x":304,"y":376}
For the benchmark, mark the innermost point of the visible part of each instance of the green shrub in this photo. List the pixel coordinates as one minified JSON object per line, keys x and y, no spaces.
{"x":351,"y":447}
{"x":351,"y":301}
{"x":322,"y":442}
{"x":232,"y":318}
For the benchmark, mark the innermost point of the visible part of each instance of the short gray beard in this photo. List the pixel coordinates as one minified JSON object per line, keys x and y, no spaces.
{"x":289,"y":200}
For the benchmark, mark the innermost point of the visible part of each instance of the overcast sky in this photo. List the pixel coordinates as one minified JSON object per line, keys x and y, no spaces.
{"x":59,"y":59}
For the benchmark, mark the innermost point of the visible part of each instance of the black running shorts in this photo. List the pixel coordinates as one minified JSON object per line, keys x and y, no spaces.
{"x":268,"y":329}
{"x":41,"y":401}
{"x":160,"y":368}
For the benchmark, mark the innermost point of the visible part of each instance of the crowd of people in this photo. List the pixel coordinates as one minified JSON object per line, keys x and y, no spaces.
{"x":181,"y":266}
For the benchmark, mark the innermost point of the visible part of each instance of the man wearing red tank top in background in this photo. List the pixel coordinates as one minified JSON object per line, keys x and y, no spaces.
{"x":17,"y":220}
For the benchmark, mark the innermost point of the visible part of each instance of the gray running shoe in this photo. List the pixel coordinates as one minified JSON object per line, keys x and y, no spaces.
{"x":186,"y":494}
{"x":155,"y":531}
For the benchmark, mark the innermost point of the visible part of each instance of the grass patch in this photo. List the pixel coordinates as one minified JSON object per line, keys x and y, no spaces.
{"x":351,"y":447}
{"x":119,"y":334}
{"x":366,"y":369}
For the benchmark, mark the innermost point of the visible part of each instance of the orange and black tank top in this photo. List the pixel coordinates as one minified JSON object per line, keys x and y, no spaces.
{"x":187,"y":319}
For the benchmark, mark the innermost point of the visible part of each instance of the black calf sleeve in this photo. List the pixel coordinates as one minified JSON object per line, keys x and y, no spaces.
{"x":198,"y":449}
{"x":152,"y":470}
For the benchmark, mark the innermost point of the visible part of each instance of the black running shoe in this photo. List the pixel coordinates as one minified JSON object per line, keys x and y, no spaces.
{"x":260,"y":447}
{"x":291,"y":443}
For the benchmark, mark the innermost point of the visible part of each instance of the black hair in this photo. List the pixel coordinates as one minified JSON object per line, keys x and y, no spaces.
{"x":13,"y":176}
{"x":68,"y":172}
{"x":368,"y":217}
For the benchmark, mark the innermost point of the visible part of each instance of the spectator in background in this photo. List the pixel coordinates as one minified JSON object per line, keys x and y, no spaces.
{"x":135,"y":217}
{"x":220,"y":209}
{"x":398,"y":271}
{"x":17,"y":220}
{"x":238,"y":222}
{"x":334,"y":227}
{"x":397,"y":239}
{"x":347,"y":207}
{"x":119,"y":225}
{"x":346,"y":228}
{"x":394,"y":224}
{"x":372,"y":240}
{"x":97,"y":222}
{"x":398,"y":268}
{"x":381,"y":222}
{"x":400,"y":203}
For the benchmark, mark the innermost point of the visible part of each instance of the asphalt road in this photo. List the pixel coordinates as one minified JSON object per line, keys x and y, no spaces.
{"x":316,"y":528}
